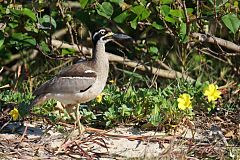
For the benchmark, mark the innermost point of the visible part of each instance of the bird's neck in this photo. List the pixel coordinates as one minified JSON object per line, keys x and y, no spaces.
{"x":99,"y":53}
{"x":100,"y":57}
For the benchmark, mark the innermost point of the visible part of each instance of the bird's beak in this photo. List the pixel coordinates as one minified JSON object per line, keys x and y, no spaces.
{"x":120,"y":36}
{"x":109,"y":34}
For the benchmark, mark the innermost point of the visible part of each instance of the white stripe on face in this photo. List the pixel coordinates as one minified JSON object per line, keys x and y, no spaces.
{"x":95,"y":34}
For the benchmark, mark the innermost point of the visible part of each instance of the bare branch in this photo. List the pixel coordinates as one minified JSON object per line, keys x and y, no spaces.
{"x":67,"y":23}
{"x":156,"y":71}
{"x":59,"y":33}
{"x":219,"y":41}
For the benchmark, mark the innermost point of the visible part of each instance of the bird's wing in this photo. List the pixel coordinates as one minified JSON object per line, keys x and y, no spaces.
{"x":74,"y":79}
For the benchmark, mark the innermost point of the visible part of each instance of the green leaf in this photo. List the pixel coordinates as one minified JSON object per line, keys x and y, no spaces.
{"x":13,"y":24}
{"x":143,"y":2}
{"x":166,"y":1}
{"x":105,"y":10}
{"x":197,"y":58}
{"x":124,"y":110}
{"x":133,"y":74}
{"x":83,"y":3}
{"x":165,"y":10}
{"x":22,"y":39}
{"x":1,"y":39}
{"x":15,"y":12}
{"x":170,"y":19}
{"x":134,"y":22}
{"x":145,"y":14}
{"x":48,"y":19}
{"x":44,"y":47}
{"x":218,"y":2}
{"x":235,"y":4}
{"x":232,"y":22}
{"x":137,"y":9}
{"x":141,"y":12}
{"x":29,"y":13}
{"x":117,"y":1}
{"x":153,"y":49}
{"x":110,"y":114}
{"x":138,"y":110}
{"x":121,"y":17}
{"x":30,"y":27}
{"x":68,"y":51}
{"x":177,"y":13}
{"x":156,"y":110}
{"x":189,"y":11}
{"x":155,"y":117}
{"x":183,"y":31}
{"x":157,"y":26}
{"x":1,"y":42}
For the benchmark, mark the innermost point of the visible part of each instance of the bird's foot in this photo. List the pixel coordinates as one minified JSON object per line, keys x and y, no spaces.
{"x":71,"y":139}
{"x":64,"y":147}
{"x":75,"y":137}
{"x":81,"y":128}
{"x":73,"y":113}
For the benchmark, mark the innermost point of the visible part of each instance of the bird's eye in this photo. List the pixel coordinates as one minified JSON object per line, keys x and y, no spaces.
{"x":102,"y":32}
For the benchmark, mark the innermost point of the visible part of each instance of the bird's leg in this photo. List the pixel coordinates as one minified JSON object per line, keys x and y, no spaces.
{"x":70,"y":111}
{"x":73,"y":112}
{"x":65,"y":109}
{"x":81,"y":128}
{"x":76,"y":116}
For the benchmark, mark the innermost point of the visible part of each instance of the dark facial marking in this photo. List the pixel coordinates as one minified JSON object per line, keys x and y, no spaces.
{"x":99,"y":33}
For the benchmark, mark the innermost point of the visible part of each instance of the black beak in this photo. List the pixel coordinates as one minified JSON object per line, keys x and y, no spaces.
{"x":120,"y":36}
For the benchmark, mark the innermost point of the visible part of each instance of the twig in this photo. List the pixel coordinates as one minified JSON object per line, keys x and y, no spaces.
{"x":59,"y":33}
{"x":114,"y":58}
{"x":186,"y":16}
{"x":76,"y":35}
{"x":84,"y":153}
{"x":161,"y":63}
{"x":5,"y":125}
{"x":24,"y":133}
{"x":67,"y":23}
{"x":1,"y":69}
{"x":135,"y":137}
{"x":157,"y":71}
{"x":206,"y":51}
{"x":5,"y":86}
{"x":72,"y":4}
{"x":214,"y":40}
{"x":59,"y":66}
{"x":18,"y":76}
{"x":19,"y":63}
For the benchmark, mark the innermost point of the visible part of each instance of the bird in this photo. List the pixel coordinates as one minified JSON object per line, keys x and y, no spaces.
{"x":82,"y":81}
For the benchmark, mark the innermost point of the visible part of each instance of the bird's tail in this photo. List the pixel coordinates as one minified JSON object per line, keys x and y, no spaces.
{"x":36,"y":101}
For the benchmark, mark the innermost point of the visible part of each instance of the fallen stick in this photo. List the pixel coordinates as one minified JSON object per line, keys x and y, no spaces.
{"x":132,"y":137}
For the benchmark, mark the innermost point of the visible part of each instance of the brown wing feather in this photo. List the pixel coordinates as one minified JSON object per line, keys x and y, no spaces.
{"x":73,"y":79}
{"x":78,"y":70}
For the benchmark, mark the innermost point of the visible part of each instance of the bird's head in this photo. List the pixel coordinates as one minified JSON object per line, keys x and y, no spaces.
{"x":105,"y":35}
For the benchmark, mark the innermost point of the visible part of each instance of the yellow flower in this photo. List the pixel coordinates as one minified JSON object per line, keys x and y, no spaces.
{"x":184,"y":101}
{"x":14,"y":113}
{"x":112,"y":81}
{"x":99,"y":98}
{"x":212,"y":92}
